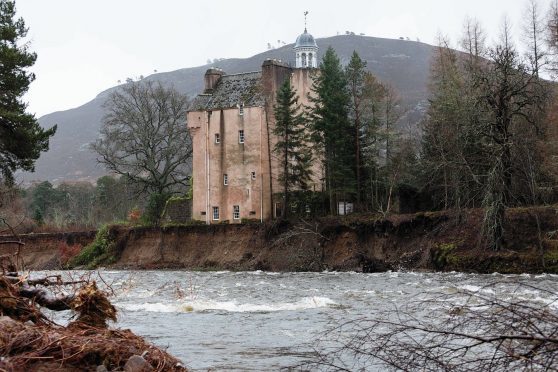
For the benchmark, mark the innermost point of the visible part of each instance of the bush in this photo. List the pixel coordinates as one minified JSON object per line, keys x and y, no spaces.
{"x":99,"y":252}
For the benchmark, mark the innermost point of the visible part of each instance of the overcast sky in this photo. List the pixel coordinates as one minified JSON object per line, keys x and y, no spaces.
{"x":86,"y":46}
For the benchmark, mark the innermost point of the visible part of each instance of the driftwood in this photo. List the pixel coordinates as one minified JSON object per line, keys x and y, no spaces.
{"x":31,"y":341}
{"x":46,"y":299}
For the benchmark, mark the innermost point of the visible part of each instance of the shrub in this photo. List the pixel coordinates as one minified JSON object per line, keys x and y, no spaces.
{"x":99,"y":252}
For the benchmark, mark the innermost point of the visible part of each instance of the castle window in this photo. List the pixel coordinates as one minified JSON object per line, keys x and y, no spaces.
{"x":236,"y":212}
{"x":253,"y":175}
{"x":241,"y":136}
{"x":310,"y":64}
{"x":215,"y":213}
{"x":241,"y":109}
{"x":217,"y":138}
{"x":225,"y":179}
{"x":303,"y":59}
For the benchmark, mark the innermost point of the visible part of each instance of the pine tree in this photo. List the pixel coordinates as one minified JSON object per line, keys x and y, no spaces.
{"x":333,"y":133}
{"x":21,"y":138}
{"x":292,"y":145}
{"x":356,"y":72}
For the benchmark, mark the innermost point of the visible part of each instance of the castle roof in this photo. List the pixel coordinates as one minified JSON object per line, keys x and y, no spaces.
{"x":230,"y":91}
{"x":305,"y":40}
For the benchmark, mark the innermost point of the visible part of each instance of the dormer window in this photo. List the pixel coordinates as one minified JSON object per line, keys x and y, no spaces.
{"x":241,"y":109}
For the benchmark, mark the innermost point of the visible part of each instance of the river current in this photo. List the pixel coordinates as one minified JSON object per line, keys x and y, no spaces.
{"x":260,"y":321}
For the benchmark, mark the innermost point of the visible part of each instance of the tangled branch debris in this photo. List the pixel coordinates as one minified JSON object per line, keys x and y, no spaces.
{"x":475,"y":330}
{"x":30,"y":341}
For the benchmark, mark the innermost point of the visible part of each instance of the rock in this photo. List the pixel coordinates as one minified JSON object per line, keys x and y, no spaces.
{"x":101,"y":368}
{"x":137,"y":364}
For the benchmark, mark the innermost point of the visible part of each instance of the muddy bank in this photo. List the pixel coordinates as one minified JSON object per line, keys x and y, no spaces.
{"x":44,"y":251}
{"x":423,"y":241}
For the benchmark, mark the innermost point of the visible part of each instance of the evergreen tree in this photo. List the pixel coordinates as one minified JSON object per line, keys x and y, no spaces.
{"x":333,"y":133}
{"x":356,"y":73}
{"x":21,"y":138}
{"x":292,"y":146}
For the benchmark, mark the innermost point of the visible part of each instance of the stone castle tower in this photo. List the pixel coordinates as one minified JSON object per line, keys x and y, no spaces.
{"x":235,"y":173}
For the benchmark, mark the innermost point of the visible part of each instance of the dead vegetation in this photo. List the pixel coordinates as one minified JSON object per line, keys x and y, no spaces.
{"x":472,"y":330}
{"x":30,"y":341}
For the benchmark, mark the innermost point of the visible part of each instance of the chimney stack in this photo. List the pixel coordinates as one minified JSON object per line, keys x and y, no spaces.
{"x":211,"y":79}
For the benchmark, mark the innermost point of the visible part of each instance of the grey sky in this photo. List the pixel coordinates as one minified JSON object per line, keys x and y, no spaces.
{"x":86,"y":46}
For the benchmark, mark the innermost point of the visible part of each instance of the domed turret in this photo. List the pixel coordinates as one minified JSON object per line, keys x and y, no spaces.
{"x":305,"y":40}
{"x":306,"y":49}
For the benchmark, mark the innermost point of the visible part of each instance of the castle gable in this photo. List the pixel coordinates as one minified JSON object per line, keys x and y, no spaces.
{"x":230,"y":91}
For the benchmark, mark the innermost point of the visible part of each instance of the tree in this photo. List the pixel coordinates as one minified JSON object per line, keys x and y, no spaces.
{"x":292,"y":147}
{"x":511,"y":98}
{"x":145,"y":139}
{"x":452,"y":154}
{"x":44,"y":199}
{"x":113,"y":199}
{"x":533,"y":34}
{"x":333,"y":133}
{"x":356,"y":73}
{"x":552,"y":37}
{"x":21,"y":138}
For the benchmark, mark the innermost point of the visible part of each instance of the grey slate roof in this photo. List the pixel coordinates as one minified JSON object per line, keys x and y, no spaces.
{"x":230,"y":91}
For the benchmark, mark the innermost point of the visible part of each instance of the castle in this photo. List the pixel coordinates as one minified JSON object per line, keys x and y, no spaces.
{"x":235,"y":171}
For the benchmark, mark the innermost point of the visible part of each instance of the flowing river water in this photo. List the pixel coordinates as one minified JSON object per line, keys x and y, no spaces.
{"x":260,"y":321}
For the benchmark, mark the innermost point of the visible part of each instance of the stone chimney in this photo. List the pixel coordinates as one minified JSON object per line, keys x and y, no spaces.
{"x":211,"y":79}
{"x":274,"y":74}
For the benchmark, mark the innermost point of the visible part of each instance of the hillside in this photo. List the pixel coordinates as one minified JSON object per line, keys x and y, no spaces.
{"x":403,"y":64}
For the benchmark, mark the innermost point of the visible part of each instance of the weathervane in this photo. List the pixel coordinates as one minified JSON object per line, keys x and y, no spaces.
{"x":305,"y":14}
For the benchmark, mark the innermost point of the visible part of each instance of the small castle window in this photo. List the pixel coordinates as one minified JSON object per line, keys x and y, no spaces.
{"x":310,"y":64}
{"x":225,"y":179}
{"x":303,"y":59}
{"x":236,"y":212}
{"x":253,"y":175}
{"x":215,"y":213}
{"x":241,"y":109}
{"x":241,"y":136}
{"x":217,"y":138}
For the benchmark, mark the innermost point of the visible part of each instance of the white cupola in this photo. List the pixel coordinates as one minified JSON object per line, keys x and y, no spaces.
{"x":306,"y":49}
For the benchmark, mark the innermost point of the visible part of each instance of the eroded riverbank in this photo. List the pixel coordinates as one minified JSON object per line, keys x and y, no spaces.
{"x":437,"y":241}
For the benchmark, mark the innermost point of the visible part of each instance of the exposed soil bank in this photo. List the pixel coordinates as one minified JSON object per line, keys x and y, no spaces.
{"x":43,"y":251}
{"x":423,"y":241}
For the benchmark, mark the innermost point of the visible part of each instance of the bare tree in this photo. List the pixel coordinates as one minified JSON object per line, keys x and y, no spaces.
{"x":144,"y":137}
{"x":552,"y":36}
{"x":474,"y":39}
{"x":476,"y":330}
{"x":511,"y":97}
{"x":533,"y":35}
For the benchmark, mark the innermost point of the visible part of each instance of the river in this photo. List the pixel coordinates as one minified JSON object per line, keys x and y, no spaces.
{"x":260,"y":321}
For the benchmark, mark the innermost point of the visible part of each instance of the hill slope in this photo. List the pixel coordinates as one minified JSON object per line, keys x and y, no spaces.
{"x":403,"y":64}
